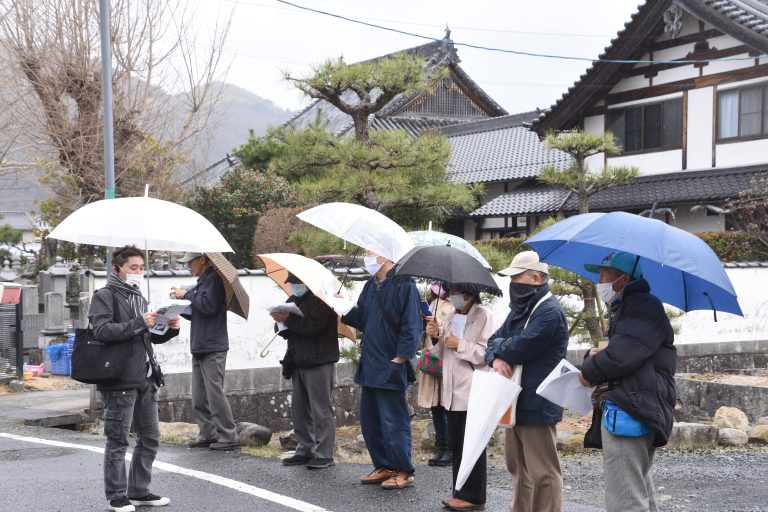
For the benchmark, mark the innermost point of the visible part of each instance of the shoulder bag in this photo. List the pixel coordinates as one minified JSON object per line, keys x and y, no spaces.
{"x":93,"y":361}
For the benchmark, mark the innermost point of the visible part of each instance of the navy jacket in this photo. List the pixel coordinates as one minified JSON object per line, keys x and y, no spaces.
{"x":208,"y":332}
{"x":640,"y":360}
{"x":312,"y":339}
{"x":126,"y":331}
{"x":379,"y":344}
{"x":539,"y":348}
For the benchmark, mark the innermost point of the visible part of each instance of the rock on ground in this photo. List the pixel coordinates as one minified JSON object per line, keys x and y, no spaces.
{"x":288,"y":441}
{"x":732,"y":437}
{"x":758,"y":434}
{"x":252,"y":434}
{"x":731,"y":417}
{"x":693,"y":435}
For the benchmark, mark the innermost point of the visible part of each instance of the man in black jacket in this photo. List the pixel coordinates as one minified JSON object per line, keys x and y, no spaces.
{"x":636,"y":372}
{"x":209,"y":343}
{"x":119,"y":316}
{"x":313,"y":348}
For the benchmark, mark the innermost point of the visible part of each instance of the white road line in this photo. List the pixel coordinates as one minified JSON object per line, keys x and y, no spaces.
{"x":258,"y":492}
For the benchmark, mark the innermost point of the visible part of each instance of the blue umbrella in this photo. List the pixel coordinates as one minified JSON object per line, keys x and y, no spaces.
{"x":681,"y":268}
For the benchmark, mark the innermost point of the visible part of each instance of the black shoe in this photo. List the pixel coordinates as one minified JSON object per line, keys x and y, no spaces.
{"x":150,"y":500}
{"x":121,"y":504}
{"x":202,"y":443}
{"x":446,"y":459}
{"x":318,"y":463}
{"x":438,"y":455}
{"x":297,"y":460}
{"x":224,"y":447}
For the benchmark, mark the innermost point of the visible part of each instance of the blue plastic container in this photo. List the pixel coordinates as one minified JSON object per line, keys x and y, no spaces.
{"x":61,"y":358}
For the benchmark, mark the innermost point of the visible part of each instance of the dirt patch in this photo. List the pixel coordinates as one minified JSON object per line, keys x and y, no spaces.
{"x":52,"y":383}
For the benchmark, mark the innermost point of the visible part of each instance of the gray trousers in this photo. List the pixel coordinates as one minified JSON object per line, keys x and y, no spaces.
{"x":212,"y":411}
{"x":314,"y":422}
{"x":627,"y":472}
{"x":123,"y":409}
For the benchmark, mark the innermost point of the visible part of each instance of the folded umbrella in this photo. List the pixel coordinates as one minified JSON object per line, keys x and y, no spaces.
{"x":682,"y":270}
{"x":490,"y":396}
{"x":448,"y":265}
{"x":361,"y":226}
{"x":238,"y":301}
{"x":318,"y":279}
{"x":429,"y":238}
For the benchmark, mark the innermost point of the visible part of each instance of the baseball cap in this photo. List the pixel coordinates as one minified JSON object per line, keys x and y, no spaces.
{"x":621,"y":261}
{"x":189,"y":256}
{"x":526,"y":260}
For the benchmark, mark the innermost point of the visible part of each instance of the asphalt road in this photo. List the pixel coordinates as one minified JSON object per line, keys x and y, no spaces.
{"x":41,"y":476}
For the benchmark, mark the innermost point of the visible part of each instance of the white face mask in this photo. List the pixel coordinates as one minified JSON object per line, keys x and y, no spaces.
{"x":371,"y":265}
{"x":134,"y":280}
{"x":606,"y":293}
{"x":298,"y":289}
{"x":458,"y":301}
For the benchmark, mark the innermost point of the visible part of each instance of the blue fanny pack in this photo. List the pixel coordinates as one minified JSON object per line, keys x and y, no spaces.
{"x":620,"y":423}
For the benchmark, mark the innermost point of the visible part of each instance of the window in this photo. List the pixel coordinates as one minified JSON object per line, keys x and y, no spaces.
{"x":654,"y":127}
{"x":742,"y":113}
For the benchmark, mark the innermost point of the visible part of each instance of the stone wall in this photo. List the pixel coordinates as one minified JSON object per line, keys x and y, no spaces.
{"x":263,"y":396}
{"x":700,"y":399}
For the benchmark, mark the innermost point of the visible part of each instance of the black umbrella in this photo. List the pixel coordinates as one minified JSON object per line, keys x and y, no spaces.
{"x":448,"y":265}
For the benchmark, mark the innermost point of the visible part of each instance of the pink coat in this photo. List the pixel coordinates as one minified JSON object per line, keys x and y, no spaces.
{"x":458,"y":364}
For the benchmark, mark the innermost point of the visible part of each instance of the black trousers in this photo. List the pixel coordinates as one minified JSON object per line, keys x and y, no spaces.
{"x":473,"y":490}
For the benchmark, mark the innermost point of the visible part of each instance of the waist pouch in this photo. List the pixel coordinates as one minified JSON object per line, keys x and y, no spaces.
{"x":620,"y":423}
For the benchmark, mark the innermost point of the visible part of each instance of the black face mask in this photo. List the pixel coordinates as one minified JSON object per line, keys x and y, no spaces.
{"x":520,"y":295}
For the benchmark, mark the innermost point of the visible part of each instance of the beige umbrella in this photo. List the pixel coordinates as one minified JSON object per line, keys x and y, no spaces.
{"x":319,"y":279}
{"x":238,"y":301}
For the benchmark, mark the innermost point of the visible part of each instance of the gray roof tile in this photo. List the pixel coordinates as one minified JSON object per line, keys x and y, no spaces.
{"x":525,"y":199}
{"x":498,"y":149}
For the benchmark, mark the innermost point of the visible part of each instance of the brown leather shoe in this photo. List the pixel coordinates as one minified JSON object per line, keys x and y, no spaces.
{"x":398,"y":480}
{"x":377,"y":476}
{"x":459,"y":504}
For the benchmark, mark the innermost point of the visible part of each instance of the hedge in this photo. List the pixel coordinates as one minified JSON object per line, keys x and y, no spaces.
{"x":735,"y":245}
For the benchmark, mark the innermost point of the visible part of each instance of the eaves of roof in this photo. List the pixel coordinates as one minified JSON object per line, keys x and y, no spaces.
{"x":524,"y":200}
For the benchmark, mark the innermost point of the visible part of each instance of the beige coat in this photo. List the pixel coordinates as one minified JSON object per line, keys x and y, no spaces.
{"x":429,"y":386}
{"x":458,"y":364}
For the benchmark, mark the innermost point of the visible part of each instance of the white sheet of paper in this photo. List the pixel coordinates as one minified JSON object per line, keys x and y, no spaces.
{"x":289,"y":307}
{"x":458,"y":325}
{"x":562,"y":387}
{"x":339,"y":305}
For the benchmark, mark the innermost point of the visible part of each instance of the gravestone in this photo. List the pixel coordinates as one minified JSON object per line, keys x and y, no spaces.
{"x":53,"y":319}
{"x":6,"y":274}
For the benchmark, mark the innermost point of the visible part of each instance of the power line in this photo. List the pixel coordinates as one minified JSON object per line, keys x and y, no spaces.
{"x":516,"y":52}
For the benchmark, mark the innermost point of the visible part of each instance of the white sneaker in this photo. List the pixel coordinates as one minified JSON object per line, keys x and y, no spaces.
{"x":150,"y":500}
{"x":121,"y":504}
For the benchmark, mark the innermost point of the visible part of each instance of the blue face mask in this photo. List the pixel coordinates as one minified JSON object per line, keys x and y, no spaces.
{"x":298,"y":289}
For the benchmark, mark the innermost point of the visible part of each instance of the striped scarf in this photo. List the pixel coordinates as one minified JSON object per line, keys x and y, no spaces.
{"x":132,"y":295}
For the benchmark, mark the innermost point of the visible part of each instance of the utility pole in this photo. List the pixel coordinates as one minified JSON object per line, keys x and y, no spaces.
{"x":106,"y":96}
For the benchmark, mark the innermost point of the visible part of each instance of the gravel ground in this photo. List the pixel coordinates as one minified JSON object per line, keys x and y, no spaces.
{"x":707,"y":480}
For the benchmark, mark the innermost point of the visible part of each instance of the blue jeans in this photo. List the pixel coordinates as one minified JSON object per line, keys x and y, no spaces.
{"x":386,"y":427}
{"x":123,"y":409}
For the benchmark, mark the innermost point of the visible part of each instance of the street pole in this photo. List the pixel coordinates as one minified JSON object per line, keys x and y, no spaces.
{"x":106,"y":95}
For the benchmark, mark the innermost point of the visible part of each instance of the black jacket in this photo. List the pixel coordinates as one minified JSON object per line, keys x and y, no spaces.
{"x":127,"y":332}
{"x":539,"y":348}
{"x":208,"y":332}
{"x":312,"y":339}
{"x":640,"y":359}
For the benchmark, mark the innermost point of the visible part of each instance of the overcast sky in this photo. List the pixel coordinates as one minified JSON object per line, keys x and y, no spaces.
{"x":267,"y":36}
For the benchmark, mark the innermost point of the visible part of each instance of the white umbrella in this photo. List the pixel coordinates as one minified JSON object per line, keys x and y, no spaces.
{"x":432,"y":238}
{"x":151,"y":224}
{"x":490,"y":396}
{"x":361,"y":226}
{"x":312,"y":273}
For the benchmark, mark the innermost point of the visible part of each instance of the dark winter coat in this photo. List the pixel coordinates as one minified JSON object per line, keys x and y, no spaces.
{"x":379,"y":343}
{"x":208,"y":332}
{"x":640,"y":360}
{"x":312,"y":339}
{"x":539,"y":348}
{"x":127,"y":332}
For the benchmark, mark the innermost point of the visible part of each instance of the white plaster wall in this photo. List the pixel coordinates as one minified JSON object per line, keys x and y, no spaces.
{"x":700,"y":105}
{"x":595,"y":124}
{"x":742,"y":153}
{"x":651,"y":163}
{"x":673,"y":75}
{"x":695,"y":222}
{"x":633,"y":82}
{"x":493,"y":223}
{"x":469,"y":229}
{"x":247,"y":338}
{"x":729,"y":65}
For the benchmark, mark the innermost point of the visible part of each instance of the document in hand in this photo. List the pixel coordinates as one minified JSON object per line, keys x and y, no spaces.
{"x":459,"y":325}
{"x":562,"y":387}
{"x":289,"y":307}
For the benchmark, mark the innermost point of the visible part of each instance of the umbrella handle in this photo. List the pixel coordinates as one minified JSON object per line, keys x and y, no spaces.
{"x":344,"y":280}
{"x":265,"y":351}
